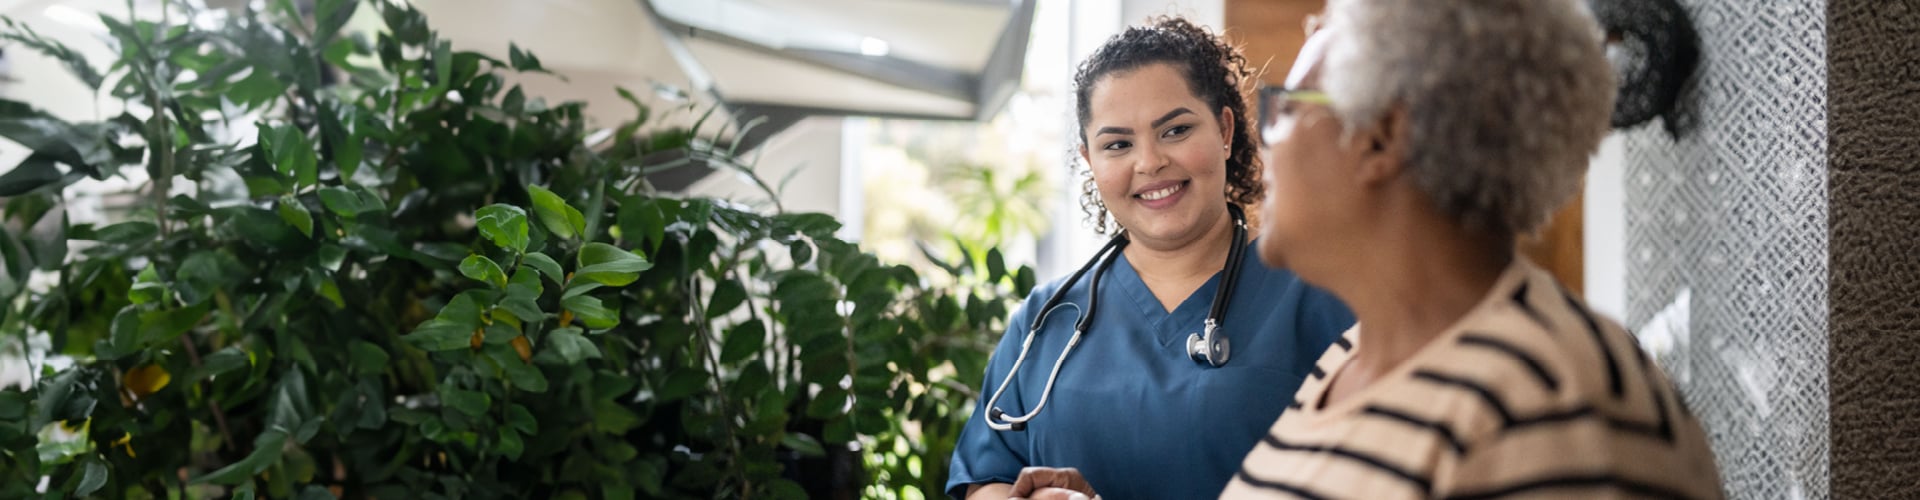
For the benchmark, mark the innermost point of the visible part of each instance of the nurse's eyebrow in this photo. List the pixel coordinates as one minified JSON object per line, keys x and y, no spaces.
{"x":1170,"y":115}
{"x":1156,"y":123}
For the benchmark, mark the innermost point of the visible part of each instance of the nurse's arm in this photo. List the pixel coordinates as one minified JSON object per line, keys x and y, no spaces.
{"x":989,"y":491}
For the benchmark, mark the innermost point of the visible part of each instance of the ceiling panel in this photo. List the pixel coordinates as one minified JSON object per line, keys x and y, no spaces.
{"x":744,"y":75}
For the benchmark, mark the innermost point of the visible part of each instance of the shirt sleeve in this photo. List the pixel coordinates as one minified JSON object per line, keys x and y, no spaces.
{"x":981,"y":454}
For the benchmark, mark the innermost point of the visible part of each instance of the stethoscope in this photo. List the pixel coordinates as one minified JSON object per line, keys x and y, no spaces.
{"x":1210,"y":346}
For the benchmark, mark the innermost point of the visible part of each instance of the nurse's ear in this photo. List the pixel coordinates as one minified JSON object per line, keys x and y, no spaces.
{"x":1226,"y":128}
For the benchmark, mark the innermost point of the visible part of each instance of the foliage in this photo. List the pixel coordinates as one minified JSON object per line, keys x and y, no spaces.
{"x":953,"y":188}
{"x":430,"y":286}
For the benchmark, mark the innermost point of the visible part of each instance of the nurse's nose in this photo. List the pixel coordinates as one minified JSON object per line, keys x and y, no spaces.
{"x":1150,"y":160}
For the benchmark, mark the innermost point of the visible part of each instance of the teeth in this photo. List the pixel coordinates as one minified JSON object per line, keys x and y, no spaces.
{"x":1160,"y":193}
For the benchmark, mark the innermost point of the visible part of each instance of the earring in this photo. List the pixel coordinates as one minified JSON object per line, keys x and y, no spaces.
{"x":1224,"y":147}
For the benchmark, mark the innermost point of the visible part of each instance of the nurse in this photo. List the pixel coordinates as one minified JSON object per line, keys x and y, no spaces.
{"x":1149,"y":403}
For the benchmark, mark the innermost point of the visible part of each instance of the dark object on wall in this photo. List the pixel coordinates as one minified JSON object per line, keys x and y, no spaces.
{"x":1654,"y":50}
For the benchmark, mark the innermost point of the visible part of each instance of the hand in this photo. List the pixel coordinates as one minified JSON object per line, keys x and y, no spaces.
{"x":1047,"y":483}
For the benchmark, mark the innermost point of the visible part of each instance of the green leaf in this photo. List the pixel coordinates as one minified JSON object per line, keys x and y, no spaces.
{"x":521,"y":59}
{"x":330,"y":16}
{"x":244,"y":492}
{"x":591,"y":312}
{"x":802,"y":287}
{"x":546,"y":265}
{"x":522,"y":420}
{"x":441,"y":335}
{"x":259,"y":87}
{"x":65,"y":396}
{"x":571,"y":345}
{"x":205,"y":273}
{"x":800,"y":251}
{"x":164,"y":326}
{"x":147,"y":287}
{"x":342,"y":201}
{"x":347,"y":155}
{"x":727,"y":295}
{"x":472,"y":403}
{"x":225,"y":360}
{"x":786,"y":489}
{"x":465,"y":307}
{"x":609,"y":265}
{"x":828,"y":403}
{"x":368,"y":358}
{"x":329,"y":290}
{"x":291,"y":152}
{"x":1023,"y":282}
{"x":481,"y":268}
{"x":616,"y":491}
{"x":524,"y":376}
{"x":75,"y":63}
{"x":579,"y":287}
{"x":509,"y":444}
{"x":524,"y":308}
{"x":814,"y":225}
{"x":506,"y":225}
{"x":644,"y":221}
{"x":612,"y":418}
{"x":126,"y":233}
{"x":29,"y":175}
{"x":805,"y":444}
{"x":743,"y":341}
{"x":555,"y":214}
{"x":680,"y":384}
{"x":296,"y":215}
{"x":266,"y":451}
{"x":525,"y":283}
{"x":94,"y":477}
{"x":331,"y":256}
{"x":514,"y":101}
{"x":996,"y":266}
{"x":260,"y":228}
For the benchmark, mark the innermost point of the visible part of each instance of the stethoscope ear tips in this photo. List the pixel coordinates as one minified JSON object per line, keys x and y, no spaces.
{"x":997,"y":415}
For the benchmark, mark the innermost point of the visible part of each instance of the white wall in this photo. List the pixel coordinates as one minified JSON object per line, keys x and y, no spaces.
{"x":1210,"y":13}
{"x":809,"y":152}
{"x":1605,"y":236}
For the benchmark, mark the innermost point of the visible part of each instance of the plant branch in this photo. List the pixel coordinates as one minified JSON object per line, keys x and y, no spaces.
{"x":219,"y":414}
{"x":705,"y":346}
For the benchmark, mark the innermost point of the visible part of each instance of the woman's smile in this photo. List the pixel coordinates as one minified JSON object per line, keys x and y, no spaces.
{"x":1161,"y":195}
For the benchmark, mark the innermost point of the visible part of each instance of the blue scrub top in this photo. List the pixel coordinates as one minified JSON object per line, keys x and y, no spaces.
{"x":1130,"y":410}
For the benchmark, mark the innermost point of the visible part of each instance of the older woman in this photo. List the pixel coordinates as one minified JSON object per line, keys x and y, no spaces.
{"x":1414,"y":140}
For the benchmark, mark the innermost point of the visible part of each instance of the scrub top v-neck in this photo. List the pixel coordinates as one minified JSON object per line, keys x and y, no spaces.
{"x":1131,"y":411}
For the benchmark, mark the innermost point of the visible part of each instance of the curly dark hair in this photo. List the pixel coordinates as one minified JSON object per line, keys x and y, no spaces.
{"x":1216,"y":72}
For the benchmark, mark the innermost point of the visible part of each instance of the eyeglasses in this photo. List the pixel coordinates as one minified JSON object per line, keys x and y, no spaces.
{"x":1275,"y":109}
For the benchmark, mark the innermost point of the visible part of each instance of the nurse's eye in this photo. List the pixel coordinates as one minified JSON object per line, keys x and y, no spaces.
{"x":1117,"y":145}
{"x":1177,"y":131}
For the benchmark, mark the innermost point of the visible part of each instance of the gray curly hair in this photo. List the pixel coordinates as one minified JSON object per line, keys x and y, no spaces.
{"x":1505,"y":99}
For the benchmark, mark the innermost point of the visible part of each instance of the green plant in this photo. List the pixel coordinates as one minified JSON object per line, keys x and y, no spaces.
{"x":421,"y":283}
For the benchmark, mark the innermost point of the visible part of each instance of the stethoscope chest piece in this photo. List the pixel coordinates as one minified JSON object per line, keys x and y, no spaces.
{"x":1209,"y":348}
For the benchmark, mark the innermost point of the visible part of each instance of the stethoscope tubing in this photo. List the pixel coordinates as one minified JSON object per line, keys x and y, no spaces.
{"x":999,"y":420}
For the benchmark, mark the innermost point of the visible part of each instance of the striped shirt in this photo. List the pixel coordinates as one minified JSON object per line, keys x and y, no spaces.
{"x":1529,"y":395}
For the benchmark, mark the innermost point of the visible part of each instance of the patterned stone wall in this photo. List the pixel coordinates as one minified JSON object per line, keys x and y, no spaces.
{"x":1731,"y":216}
